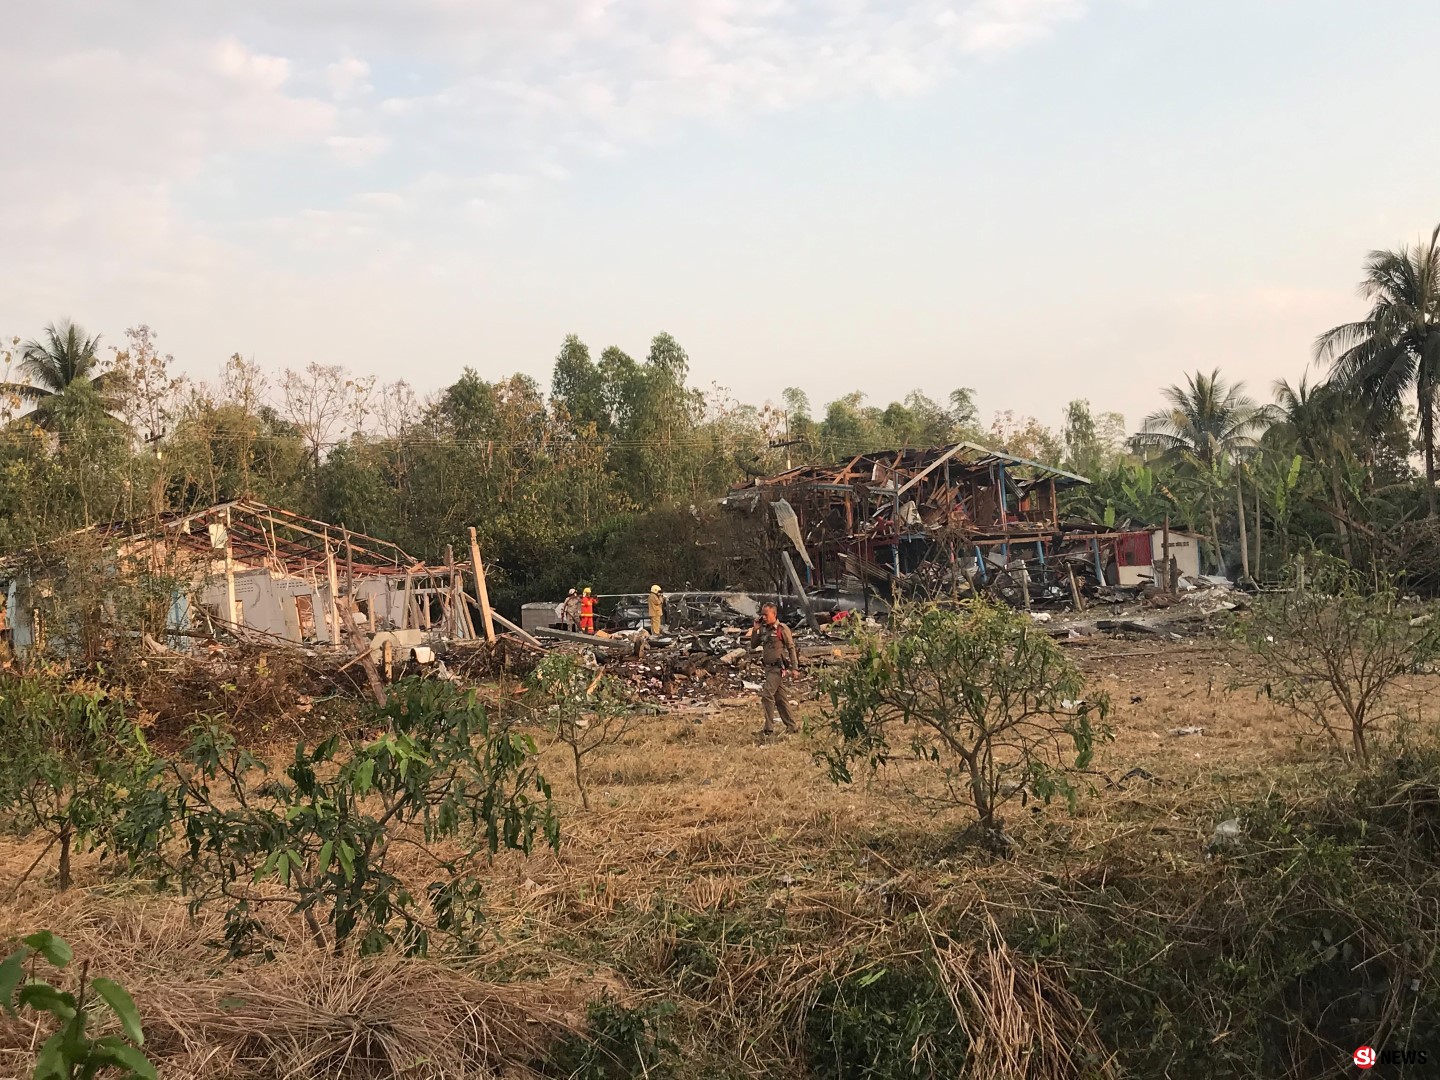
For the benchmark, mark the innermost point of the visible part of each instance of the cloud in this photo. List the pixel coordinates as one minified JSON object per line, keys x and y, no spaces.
{"x":151,"y":133}
{"x":348,"y":78}
{"x":357,"y":149}
{"x":381,"y":201}
{"x":579,"y":71}
{"x":107,"y":136}
{"x":234,"y":61}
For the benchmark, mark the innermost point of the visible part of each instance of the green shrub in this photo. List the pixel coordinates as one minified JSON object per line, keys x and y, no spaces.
{"x":71,"y":763}
{"x":327,"y":833}
{"x":620,"y":1043}
{"x":1333,"y":651}
{"x":586,"y":707}
{"x":884,"y":1022}
{"x":981,"y":694}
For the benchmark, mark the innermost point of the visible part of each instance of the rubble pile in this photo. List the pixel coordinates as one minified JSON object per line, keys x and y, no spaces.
{"x":1194,"y":610}
{"x":694,"y":668}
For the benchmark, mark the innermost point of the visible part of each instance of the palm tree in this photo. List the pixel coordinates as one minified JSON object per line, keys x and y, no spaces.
{"x":62,"y":374}
{"x":1319,"y":423}
{"x":1209,"y":424}
{"x":1397,"y":344}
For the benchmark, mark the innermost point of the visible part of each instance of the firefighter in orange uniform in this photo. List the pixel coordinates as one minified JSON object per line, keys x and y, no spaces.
{"x":587,"y":613}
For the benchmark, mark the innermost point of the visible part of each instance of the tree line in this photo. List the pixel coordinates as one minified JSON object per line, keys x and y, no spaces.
{"x":610,"y":476}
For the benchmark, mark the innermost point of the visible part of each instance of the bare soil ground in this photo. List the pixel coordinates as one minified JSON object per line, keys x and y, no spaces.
{"x":697,"y":828}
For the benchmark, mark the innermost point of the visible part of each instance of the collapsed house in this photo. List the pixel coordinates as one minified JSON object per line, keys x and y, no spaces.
{"x":241,"y":569}
{"x":943,"y":520}
{"x":880,"y":516}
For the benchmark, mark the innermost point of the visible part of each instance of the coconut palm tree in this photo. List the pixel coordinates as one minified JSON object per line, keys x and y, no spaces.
{"x":63,"y":377}
{"x":1209,"y":425}
{"x":1320,"y":424}
{"x":1396,"y":346}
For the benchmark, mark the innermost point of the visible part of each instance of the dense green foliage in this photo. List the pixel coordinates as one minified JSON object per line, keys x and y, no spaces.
{"x":620,"y":1043}
{"x":886,"y":1021}
{"x":610,"y":476}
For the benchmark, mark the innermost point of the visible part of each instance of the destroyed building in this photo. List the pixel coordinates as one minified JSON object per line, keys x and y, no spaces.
{"x":241,"y":569}
{"x":945,"y":519}
{"x":881,"y":515}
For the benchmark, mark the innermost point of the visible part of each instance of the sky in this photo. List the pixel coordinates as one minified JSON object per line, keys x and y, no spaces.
{"x":1038,"y":199}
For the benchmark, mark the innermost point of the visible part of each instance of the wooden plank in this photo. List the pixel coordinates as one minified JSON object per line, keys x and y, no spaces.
{"x":1075,"y":588}
{"x":462,"y":607}
{"x":941,"y":460}
{"x":332,"y":632}
{"x":1165,"y":554}
{"x":360,"y":641}
{"x":525,"y":634}
{"x":482,"y":593}
{"x":608,"y":644}
{"x":450,"y":608}
{"x":232,"y":606}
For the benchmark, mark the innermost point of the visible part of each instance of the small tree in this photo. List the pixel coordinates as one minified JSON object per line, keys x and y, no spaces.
{"x":323,"y":840}
{"x":586,"y":706}
{"x":1332,"y":651}
{"x":70,"y":1051}
{"x":70,"y":764}
{"x":980,"y":693}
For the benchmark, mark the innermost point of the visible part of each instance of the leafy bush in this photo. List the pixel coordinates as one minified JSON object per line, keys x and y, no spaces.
{"x":885,"y":1023}
{"x":981,"y":694}
{"x":620,"y":1043}
{"x":1332,"y":653}
{"x":70,"y":762}
{"x":586,"y":707}
{"x":327,"y":834}
{"x":70,"y":1052}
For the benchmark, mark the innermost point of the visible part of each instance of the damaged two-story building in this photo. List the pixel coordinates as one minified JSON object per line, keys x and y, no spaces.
{"x":947,"y":517}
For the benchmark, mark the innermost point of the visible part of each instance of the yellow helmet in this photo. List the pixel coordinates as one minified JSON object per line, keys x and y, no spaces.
{"x":654,"y":588}
{"x":587,"y":590}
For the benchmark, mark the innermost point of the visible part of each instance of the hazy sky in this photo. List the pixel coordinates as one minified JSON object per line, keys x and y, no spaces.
{"x":1040,"y":199}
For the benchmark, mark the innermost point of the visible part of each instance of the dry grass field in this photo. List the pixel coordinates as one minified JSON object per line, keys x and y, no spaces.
{"x":722,"y":885}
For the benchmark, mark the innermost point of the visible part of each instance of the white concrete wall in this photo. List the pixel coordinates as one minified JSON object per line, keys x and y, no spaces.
{"x":1184,"y":549}
{"x":268,"y":603}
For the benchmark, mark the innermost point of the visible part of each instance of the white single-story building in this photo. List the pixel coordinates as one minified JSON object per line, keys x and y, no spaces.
{"x":1137,"y":552}
{"x":241,"y":568}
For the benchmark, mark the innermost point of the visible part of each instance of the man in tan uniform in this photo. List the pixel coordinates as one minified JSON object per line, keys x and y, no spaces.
{"x":656,"y":602}
{"x":780,"y":658}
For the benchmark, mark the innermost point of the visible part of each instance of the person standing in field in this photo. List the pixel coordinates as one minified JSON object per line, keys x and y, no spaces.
{"x":570,"y":611}
{"x":587,"y":613}
{"x":656,"y":602}
{"x":780,"y":658}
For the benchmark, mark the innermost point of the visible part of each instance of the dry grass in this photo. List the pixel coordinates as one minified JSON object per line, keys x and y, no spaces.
{"x":1021,"y":1021}
{"x":704,"y":842}
{"x":305,"y":1014}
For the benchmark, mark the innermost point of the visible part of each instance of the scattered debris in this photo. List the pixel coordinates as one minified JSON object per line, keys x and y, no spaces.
{"x":1226,"y":838}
